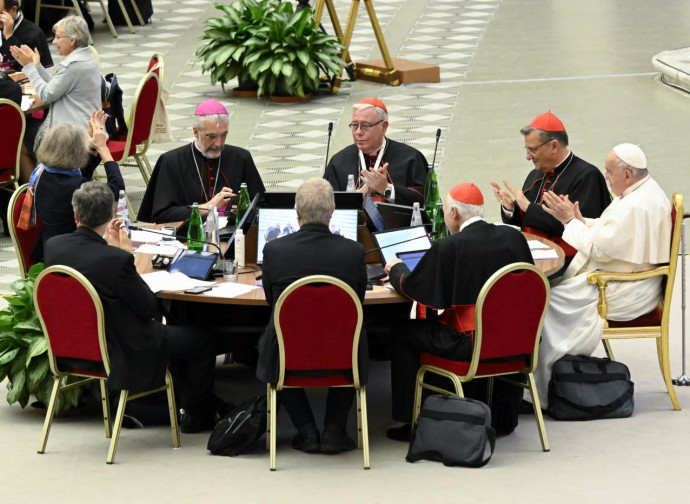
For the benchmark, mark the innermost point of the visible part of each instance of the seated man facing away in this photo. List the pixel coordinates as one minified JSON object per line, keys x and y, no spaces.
{"x":205,"y":171}
{"x":388,"y":170}
{"x":313,"y":250}
{"x":449,"y":277}
{"x":556,"y":169}
{"x":139,"y":346}
{"x":633,"y":234}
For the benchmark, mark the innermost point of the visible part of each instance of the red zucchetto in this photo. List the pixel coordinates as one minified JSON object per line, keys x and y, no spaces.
{"x":467,"y":193}
{"x":375,"y":102}
{"x":547,"y":122}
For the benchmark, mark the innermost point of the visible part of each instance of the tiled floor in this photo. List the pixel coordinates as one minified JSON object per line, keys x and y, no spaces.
{"x":502,"y":62}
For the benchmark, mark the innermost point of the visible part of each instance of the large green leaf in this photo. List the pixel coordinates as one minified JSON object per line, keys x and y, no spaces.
{"x":38,"y":371}
{"x":37,"y":347}
{"x":286,"y":69}
{"x":224,"y":54}
{"x":16,"y":389}
{"x":32,"y":326}
{"x":9,"y":355}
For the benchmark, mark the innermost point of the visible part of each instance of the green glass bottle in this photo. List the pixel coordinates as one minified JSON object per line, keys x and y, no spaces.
{"x":431,"y":192}
{"x":439,"y":228}
{"x":195,"y":232}
{"x":242,"y":203}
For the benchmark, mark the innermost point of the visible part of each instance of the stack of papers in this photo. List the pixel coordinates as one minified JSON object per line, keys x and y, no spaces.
{"x":162,"y":280}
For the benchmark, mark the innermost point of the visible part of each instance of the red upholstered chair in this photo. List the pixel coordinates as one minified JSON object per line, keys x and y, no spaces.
{"x":654,"y":324}
{"x":71,"y":315}
{"x":23,"y":241}
{"x":318,"y":320}
{"x":506,"y":340}
{"x":157,"y":66}
{"x":13,"y":127}
{"x":141,"y":125}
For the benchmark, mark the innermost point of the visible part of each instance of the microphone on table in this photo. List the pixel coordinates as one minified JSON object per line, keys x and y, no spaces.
{"x":175,"y":235}
{"x":438,"y":137}
{"x":328,"y":144}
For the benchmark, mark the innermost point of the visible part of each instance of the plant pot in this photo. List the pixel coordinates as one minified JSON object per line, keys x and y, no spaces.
{"x":244,"y":93}
{"x":290,"y":99}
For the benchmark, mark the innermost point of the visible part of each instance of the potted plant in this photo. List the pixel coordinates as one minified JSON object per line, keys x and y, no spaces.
{"x":24,"y":350}
{"x":282,"y":51}
{"x":222,"y":56}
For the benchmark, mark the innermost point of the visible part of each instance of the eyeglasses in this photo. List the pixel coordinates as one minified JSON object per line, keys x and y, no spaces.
{"x":58,"y":37}
{"x":213,"y":136}
{"x":532,"y":150}
{"x":364,"y":126}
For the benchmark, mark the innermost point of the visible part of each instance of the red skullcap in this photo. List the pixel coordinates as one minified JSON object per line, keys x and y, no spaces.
{"x":547,"y":122}
{"x":467,"y":193}
{"x":375,"y":102}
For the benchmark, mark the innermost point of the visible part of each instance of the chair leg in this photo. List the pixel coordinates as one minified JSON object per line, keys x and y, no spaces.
{"x":665,"y":365}
{"x":268,"y":416}
{"x":105,"y":403}
{"x":117,"y":427}
{"x":272,"y":433}
{"x":142,"y":168}
{"x":137,"y":12}
{"x":364,"y":422}
{"x":607,"y":348}
{"x":126,"y":16}
{"x":49,"y":415}
{"x":172,"y":410}
{"x":418,"y":395}
{"x":537,"y":413}
{"x":359,"y":420}
{"x":107,"y":19}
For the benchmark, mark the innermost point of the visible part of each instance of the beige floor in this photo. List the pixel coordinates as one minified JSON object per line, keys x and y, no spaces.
{"x":589,"y":62}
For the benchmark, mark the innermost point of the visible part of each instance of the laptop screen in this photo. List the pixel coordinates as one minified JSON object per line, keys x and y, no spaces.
{"x":373,"y":214}
{"x":411,"y":258}
{"x":193,"y":264}
{"x":401,"y":240}
{"x":277,"y":222}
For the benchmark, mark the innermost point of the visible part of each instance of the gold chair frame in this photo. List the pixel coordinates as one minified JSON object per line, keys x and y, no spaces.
{"x":660,"y":332}
{"x":75,"y":7}
{"x":273,"y":388}
{"x":11,"y":184}
{"x":13,"y":229}
{"x":474,"y":363}
{"x":111,"y":431}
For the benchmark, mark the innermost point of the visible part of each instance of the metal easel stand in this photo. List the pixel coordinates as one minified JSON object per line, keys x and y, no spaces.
{"x":683,"y":379}
{"x":391,"y":71}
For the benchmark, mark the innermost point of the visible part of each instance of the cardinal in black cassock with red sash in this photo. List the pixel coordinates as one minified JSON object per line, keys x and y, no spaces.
{"x":391,"y":171}
{"x":449,"y":277}
{"x":206,"y":171}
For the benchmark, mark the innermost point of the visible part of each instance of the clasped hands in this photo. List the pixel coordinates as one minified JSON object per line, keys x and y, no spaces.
{"x":374,"y":180}
{"x":560,"y":206}
{"x":509,"y":196}
{"x":25,"y":55}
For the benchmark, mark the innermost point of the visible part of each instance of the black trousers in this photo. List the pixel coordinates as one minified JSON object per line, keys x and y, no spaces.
{"x":411,"y":339}
{"x":338,"y":404}
{"x":193,"y":363}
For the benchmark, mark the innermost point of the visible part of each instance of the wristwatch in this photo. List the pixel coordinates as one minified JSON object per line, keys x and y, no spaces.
{"x":388,"y":192}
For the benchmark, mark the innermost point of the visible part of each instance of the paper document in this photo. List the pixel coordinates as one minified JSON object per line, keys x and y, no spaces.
{"x":536,"y":244}
{"x":27,"y":102}
{"x":544,"y":254}
{"x":162,"y":280}
{"x":141,"y":236}
{"x":163,"y":248}
{"x":379,"y":289}
{"x":230,"y":290}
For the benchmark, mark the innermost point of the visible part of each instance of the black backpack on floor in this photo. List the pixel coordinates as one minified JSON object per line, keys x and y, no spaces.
{"x":237,"y":430}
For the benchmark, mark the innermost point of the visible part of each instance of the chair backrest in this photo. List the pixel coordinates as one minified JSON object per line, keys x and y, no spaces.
{"x":71,"y":314}
{"x":13,"y":127}
{"x":677,"y":210}
{"x":318,"y":320}
{"x":157,"y":66}
{"x":22,"y":240}
{"x":143,"y":109}
{"x":94,"y":51}
{"x":509,"y":314}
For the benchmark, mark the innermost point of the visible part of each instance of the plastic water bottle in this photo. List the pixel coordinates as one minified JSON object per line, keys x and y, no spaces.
{"x":239,"y":248}
{"x":195,"y":232}
{"x":211,"y":228}
{"x":122,"y":212}
{"x":416,"y":215}
{"x":350,"y":183}
{"x":242,"y":203}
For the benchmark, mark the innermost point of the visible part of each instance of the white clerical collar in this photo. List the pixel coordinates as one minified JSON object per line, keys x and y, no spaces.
{"x":18,"y":21}
{"x":378,"y":158}
{"x":634,"y":186}
{"x":469,"y":221}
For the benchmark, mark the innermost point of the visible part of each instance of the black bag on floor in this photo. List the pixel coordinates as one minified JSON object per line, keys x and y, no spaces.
{"x":237,"y":430}
{"x":111,"y":102}
{"x":589,"y":388}
{"x":145,"y":9}
{"x":453,"y":430}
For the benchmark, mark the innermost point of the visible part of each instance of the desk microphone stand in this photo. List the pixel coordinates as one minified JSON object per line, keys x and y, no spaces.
{"x":683,"y":379}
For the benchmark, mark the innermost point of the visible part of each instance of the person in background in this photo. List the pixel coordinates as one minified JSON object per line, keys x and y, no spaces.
{"x":18,"y":31}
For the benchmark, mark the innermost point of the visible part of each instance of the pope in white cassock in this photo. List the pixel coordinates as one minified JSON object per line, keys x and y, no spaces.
{"x":633,"y":234}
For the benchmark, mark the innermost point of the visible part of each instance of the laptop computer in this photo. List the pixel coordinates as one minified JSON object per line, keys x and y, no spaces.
{"x":375,"y":221}
{"x":194,"y":264}
{"x":408,"y":239}
{"x":399,"y":216}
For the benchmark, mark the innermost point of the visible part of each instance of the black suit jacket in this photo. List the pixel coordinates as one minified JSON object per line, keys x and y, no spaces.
{"x":313,"y":250}
{"x":31,"y":35}
{"x":136,"y":342}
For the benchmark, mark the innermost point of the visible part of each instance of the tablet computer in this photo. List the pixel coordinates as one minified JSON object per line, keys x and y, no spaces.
{"x":411,"y":258}
{"x":194,"y":264}
{"x":401,"y":240}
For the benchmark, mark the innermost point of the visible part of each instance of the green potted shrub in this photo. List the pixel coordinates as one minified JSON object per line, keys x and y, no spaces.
{"x":286,"y":53}
{"x":24,"y":350}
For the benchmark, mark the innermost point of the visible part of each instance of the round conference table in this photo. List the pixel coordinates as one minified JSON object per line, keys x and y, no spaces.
{"x":378,"y":296}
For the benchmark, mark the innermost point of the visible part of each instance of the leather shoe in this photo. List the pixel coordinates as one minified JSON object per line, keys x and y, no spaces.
{"x":336,"y":440}
{"x":193,"y":423}
{"x":307,"y":440}
{"x":399,"y":432}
